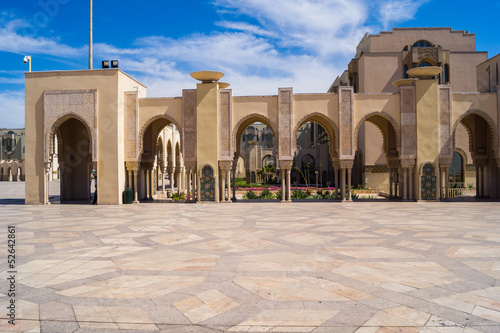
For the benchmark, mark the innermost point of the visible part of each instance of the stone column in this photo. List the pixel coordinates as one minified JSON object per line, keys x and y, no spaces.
{"x":482,"y":182}
{"x":410,"y":183}
{"x":441,"y":184}
{"x":146,"y":189}
{"x":349,"y":190}
{"x":391,"y":180}
{"x":396,"y":183}
{"x":135,"y":185}
{"x":404,"y":185}
{"x":198,"y":186}
{"x":163,"y":171}
{"x":46,"y":184}
{"x":171,"y":176}
{"x":446,"y":182}
{"x":129,"y":172}
{"x":283,"y":188}
{"x":222,"y":174}
{"x":342,"y":184}
{"x":288,"y":186}
{"x":338,"y":190}
{"x":188,"y":175}
{"x":228,"y":176}
{"x":234,"y":184}
{"x":150,"y":180}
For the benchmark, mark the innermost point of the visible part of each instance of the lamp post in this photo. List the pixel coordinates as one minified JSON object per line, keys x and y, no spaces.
{"x":27,"y":59}
{"x":90,"y":35}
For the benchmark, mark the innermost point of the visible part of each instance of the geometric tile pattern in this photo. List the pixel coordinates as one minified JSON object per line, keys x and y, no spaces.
{"x":255,"y":267}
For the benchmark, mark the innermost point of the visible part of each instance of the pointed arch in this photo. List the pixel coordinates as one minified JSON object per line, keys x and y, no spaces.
{"x":330,"y":128}
{"x":164,"y":120}
{"x":370,"y":117}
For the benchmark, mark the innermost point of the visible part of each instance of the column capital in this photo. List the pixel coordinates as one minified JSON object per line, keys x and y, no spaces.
{"x":407,"y":162}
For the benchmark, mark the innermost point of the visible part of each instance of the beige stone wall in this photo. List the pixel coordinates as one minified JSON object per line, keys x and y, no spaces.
{"x":377,"y":71}
{"x":109,"y":134}
{"x":488,"y":75}
{"x":394,"y":41}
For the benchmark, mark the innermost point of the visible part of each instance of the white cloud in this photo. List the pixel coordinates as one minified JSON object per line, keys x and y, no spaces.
{"x":394,"y":11}
{"x":12,"y":109}
{"x":14,"y":41}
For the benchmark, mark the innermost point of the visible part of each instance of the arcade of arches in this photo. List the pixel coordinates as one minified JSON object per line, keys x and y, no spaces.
{"x":414,"y":138}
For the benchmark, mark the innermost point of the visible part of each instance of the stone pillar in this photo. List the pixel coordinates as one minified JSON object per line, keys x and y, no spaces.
{"x":234,"y":184}
{"x":198,"y":186}
{"x":46,"y":184}
{"x":222,"y":174}
{"x":288,"y":186}
{"x":441,"y":184}
{"x":129,"y":172}
{"x":228,"y":176}
{"x":171,"y":176}
{"x":482,"y":182}
{"x":349,"y":190}
{"x":135,"y":185}
{"x":410,"y":183}
{"x":188,"y":175}
{"x":391,"y":180}
{"x":396,"y":183}
{"x":446,"y":182}
{"x":404,"y":185}
{"x":338,"y":190}
{"x":283,"y":188}
{"x":163,"y":171}
{"x":150,"y":179}
{"x":342,"y":184}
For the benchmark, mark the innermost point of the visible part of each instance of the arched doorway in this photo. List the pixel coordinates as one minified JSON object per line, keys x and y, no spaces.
{"x":155,"y":164}
{"x":376,"y":165}
{"x":74,"y":151}
{"x":481,"y":134}
{"x":256,"y":147}
{"x":315,"y":151}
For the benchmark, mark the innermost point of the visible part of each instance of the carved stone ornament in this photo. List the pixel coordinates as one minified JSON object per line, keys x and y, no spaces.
{"x":189,"y":123}
{"x":346,"y":130}
{"x":285,"y":120}
{"x":132,"y":126}
{"x":225,"y":135}
{"x":408,"y":123}
{"x":61,"y":105}
{"x":445,"y":144}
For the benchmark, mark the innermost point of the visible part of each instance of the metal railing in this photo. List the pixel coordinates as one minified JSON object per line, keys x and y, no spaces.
{"x":462,"y":190}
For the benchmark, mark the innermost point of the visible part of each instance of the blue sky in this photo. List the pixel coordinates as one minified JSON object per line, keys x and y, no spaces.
{"x":260,"y":45}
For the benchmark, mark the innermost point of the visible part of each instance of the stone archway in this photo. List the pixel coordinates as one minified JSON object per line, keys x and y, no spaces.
{"x":377,"y":142}
{"x":482,"y":135}
{"x":75,"y":159}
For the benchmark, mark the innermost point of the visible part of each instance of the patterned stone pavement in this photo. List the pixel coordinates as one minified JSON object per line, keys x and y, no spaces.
{"x":361,"y":267}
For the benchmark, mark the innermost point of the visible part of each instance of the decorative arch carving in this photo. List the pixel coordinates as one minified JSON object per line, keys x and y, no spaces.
{"x":330,"y":127}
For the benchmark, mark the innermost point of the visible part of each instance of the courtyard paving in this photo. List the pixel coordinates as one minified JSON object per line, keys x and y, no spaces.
{"x":361,"y":267}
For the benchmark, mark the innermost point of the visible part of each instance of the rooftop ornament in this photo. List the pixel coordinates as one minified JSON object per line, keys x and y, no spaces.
{"x":404,"y":82}
{"x":207,"y":76}
{"x":424,"y":72}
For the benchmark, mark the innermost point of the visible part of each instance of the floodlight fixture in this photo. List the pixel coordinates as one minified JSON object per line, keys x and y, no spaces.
{"x":27,"y":59}
{"x":114,"y":63}
{"x":105,"y":64}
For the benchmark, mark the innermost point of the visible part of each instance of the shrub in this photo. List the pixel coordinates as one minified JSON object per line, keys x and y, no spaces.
{"x":298,"y":194}
{"x":266,"y":195}
{"x":250,"y":195}
{"x":177,"y":196}
{"x":278,"y":195}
